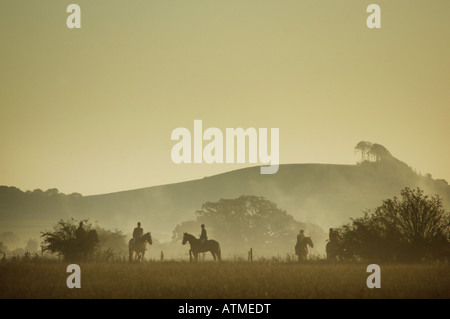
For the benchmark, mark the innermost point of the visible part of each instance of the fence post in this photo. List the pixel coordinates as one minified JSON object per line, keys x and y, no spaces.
{"x":162,"y":255}
{"x":250,"y":255}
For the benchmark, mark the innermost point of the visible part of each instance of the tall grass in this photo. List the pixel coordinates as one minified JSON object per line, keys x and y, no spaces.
{"x":264,"y":279}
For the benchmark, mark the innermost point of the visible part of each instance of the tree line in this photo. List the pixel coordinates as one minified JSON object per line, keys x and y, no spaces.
{"x":16,"y":203}
{"x":412,"y":227}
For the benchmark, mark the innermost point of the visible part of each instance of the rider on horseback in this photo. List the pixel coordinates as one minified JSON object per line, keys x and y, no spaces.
{"x":300,"y":237}
{"x":301,"y":248}
{"x":137,"y":232}
{"x":334,"y":236}
{"x":334,"y":247}
{"x":203,"y":235}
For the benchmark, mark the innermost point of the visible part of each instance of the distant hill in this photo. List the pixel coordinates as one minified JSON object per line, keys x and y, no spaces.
{"x":321,"y":194}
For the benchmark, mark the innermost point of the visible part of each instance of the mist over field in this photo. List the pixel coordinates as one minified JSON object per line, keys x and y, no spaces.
{"x":317,"y":196}
{"x":116,"y":114}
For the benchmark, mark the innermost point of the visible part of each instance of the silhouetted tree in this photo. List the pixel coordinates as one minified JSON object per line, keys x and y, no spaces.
{"x":379,"y":152}
{"x":247,"y":221}
{"x":363,"y":147}
{"x":74,"y":195}
{"x":51,"y":192}
{"x":38,"y":192}
{"x":409,"y":228}
{"x":111,"y":244}
{"x":74,"y":242}
{"x":372,"y":151}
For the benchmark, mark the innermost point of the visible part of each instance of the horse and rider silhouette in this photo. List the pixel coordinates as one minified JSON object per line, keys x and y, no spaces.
{"x":202,"y":245}
{"x":137,"y":245}
{"x":138,"y":242}
{"x":301,"y":248}
{"x":334,"y":248}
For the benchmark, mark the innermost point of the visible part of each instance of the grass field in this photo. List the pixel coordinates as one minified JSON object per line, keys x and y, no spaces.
{"x":231,"y":280}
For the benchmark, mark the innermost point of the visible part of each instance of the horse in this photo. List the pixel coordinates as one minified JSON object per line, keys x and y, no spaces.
{"x":198,"y":247}
{"x":139,"y":246}
{"x":301,"y":249}
{"x":334,"y":251}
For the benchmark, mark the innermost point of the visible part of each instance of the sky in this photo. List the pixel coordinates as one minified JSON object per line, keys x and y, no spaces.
{"x":91,"y":110}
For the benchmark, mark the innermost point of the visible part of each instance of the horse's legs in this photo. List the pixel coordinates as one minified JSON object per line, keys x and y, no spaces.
{"x":196,"y":256}
{"x":301,"y":256}
{"x":214,"y":255}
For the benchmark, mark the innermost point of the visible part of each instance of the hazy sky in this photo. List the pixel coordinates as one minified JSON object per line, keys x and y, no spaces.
{"x":92,"y":110}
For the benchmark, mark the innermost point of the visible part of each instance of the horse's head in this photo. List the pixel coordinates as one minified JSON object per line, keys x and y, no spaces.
{"x":184,"y":238}
{"x":309,"y":241}
{"x":148,"y":238}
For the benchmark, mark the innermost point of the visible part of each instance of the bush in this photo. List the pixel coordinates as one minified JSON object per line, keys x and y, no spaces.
{"x":410,"y":228}
{"x":75,"y":243}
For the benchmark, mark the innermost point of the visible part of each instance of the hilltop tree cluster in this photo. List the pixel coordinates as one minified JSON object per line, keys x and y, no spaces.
{"x":372,"y":152}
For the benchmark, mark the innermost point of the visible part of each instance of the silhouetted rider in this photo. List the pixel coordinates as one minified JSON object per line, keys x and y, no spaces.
{"x":300,"y":237}
{"x":333,"y":235}
{"x":79,"y":232}
{"x":203,"y":235}
{"x":138,"y":232}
